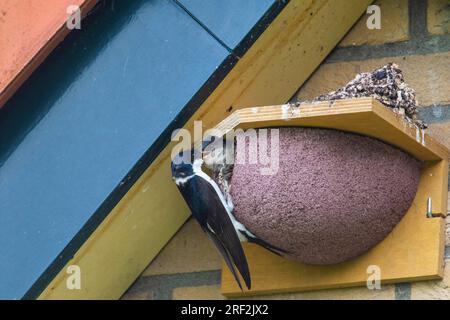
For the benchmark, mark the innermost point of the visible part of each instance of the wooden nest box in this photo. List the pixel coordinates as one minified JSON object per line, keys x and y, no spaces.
{"x":413,"y":251}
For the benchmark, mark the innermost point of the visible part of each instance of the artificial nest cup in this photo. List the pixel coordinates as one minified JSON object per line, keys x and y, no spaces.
{"x":333,"y":240}
{"x":333,"y":196}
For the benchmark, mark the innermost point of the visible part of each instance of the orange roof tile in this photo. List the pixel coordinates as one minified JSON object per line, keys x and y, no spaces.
{"x":29,"y":31}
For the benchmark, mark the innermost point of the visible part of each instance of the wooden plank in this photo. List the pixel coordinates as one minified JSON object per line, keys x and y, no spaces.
{"x":364,"y":115}
{"x":30,"y":30}
{"x":413,"y":251}
{"x":270,"y":72}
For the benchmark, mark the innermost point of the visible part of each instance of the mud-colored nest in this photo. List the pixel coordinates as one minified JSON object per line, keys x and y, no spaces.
{"x":334,"y":197}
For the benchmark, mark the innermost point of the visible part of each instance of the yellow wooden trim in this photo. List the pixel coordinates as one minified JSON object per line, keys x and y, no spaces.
{"x":270,"y":72}
{"x":414,"y":250}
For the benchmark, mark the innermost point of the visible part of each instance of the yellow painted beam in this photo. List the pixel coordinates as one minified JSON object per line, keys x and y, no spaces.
{"x":413,"y":251}
{"x":270,"y":72}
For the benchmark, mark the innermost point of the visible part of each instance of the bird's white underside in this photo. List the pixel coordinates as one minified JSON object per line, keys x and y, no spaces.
{"x":197,"y":167}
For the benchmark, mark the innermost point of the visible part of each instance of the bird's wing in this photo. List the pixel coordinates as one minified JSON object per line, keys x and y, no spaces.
{"x":208,"y":208}
{"x":226,"y":256}
{"x":254,"y":239}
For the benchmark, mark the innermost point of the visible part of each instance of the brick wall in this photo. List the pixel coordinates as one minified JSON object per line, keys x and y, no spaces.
{"x":416,"y":35}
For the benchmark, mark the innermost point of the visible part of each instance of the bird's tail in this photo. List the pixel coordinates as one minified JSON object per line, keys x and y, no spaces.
{"x":234,"y":262}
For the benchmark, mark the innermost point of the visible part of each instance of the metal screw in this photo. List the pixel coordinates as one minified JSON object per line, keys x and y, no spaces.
{"x":430,"y":213}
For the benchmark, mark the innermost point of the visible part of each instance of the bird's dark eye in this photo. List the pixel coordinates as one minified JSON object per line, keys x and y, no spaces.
{"x":182,"y":170}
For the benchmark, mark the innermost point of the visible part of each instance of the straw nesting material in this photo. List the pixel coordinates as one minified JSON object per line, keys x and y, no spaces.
{"x":385,"y":84}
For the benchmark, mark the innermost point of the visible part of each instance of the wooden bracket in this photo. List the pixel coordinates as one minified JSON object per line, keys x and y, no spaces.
{"x":414,"y":250}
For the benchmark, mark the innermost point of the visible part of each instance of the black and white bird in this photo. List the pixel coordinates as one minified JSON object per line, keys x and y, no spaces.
{"x":214,"y":214}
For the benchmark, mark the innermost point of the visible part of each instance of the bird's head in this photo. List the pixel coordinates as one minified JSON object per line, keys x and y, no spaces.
{"x":187,"y":162}
{"x":181,"y":168}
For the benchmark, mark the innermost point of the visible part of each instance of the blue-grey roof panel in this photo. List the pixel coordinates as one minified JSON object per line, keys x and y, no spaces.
{"x":229,"y":20}
{"x":94,"y":107}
